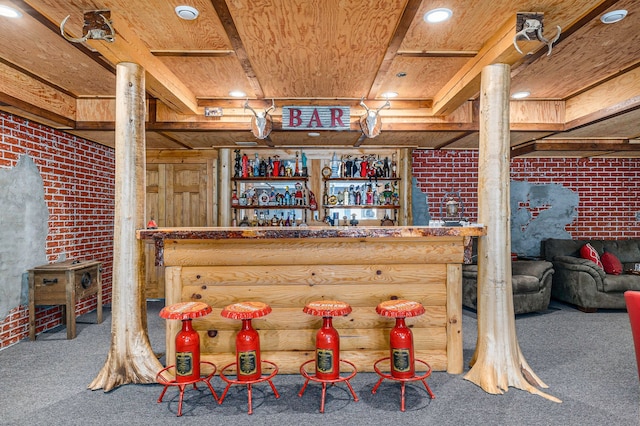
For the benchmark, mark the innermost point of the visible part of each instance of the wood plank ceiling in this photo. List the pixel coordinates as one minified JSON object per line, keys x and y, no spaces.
{"x":585,"y":96}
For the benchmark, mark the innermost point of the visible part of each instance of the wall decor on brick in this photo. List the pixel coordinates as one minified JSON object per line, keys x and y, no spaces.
{"x":608,"y":189}
{"x":78,"y":183}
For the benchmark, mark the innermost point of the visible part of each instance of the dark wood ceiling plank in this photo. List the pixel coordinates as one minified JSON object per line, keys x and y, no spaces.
{"x":408,"y":15}
{"x":226,"y":19}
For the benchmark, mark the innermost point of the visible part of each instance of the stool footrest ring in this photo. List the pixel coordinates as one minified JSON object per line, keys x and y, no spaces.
{"x":417,"y":377}
{"x":310,"y":376}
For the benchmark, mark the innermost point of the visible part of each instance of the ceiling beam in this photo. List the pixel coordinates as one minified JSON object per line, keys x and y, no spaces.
{"x":229,"y":26}
{"x":573,"y":145}
{"x":160,"y":82}
{"x":36,"y":97}
{"x":465,"y":84}
{"x":408,"y":15}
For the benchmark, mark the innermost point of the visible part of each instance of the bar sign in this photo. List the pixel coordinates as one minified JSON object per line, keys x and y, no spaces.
{"x":316,"y":118}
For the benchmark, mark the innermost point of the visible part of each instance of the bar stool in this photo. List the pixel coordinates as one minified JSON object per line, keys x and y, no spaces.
{"x":248,"y":362}
{"x":402,"y":360}
{"x":327,"y":362}
{"x":188,"y":364}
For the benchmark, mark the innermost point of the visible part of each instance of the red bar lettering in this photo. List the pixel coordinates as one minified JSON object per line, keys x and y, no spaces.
{"x":315,"y":117}
{"x":336,"y":117}
{"x":294,"y":117}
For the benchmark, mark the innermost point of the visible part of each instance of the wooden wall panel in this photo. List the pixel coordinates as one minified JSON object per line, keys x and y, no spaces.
{"x":287,"y":274}
{"x":285,"y":252}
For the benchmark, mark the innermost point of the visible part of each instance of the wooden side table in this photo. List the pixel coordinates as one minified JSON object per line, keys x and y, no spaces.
{"x":64,"y":283}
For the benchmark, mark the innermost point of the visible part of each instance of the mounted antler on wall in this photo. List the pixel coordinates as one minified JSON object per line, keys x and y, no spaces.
{"x":371,"y":123}
{"x":529,"y":26}
{"x":261,"y":122}
{"x":97,"y":26}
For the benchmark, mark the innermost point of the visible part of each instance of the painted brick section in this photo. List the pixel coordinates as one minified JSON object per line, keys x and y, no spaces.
{"x":79,"y":179}
{"x":608,"y":188}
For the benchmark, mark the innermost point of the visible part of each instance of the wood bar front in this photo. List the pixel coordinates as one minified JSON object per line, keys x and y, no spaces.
{"x":289,"y":267}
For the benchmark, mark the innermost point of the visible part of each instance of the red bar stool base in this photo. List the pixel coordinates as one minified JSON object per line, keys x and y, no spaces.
{"x":248,"y":383}
{"x":310,"y":376}
{"x":421,"y":377}
{"x":182,"y":385}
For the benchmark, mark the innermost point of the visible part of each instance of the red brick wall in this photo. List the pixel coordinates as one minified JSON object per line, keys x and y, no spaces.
{"x":78,"y":178}
{"x":608,"y":189}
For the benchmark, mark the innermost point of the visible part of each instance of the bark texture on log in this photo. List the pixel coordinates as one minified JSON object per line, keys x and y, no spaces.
{"x":130,"y":358}
{"x":498,"y":362}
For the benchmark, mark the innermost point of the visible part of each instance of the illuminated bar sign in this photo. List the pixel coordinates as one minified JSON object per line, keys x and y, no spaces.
{"x":316,"y":118}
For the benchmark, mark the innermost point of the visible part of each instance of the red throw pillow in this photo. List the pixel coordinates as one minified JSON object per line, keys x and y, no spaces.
{"x":588,"y":252}
{"x":611,"y":264}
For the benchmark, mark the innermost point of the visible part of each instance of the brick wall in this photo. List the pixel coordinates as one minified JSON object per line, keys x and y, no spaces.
{"x":608,"y":189}
{"x":78,"y":178}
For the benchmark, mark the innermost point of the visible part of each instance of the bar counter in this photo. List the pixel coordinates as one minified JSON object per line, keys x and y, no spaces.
{"x":289,"y":267}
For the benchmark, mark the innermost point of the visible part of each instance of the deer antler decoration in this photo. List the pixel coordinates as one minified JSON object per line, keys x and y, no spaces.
{"x":370,"y":123}
{"x":529,"y":26}
{"x":261,"y":122}
{"x":97,"y":26}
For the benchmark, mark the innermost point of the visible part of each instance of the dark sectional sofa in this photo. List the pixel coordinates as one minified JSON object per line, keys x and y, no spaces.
{"x":531,"y":285}
{"x":582,"y":283}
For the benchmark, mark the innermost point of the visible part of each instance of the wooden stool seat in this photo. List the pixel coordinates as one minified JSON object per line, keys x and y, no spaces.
{"x":246,"y":310}
{"x":327,"y":308}
{"x":400,"y":309}
{"x":185,"y":310}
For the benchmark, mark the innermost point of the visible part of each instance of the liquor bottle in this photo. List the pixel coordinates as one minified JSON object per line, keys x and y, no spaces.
{"x":256,"y":166}
{"x":245,"y":166}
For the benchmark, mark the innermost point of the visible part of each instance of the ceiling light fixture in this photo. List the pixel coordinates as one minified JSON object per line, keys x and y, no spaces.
{"x":187,"y":13}
{"x":388,"y":95}
{"x":9,"y":12}
{"x":237,"y":94}
{"x":520,"y":95}
{"x":613,"y":16}
{"x":440,"y":14}
{"x":313,"y":134}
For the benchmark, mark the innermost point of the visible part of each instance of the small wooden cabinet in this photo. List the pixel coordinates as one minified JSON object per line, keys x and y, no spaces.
{"x":64,"y":283}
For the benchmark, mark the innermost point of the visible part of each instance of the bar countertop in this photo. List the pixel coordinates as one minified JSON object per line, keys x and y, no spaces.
{"x":159,"y":235}
{"x":269,"y":232}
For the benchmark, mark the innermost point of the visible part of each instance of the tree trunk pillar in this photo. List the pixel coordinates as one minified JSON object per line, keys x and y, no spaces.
{"x":497,"y":361}
{"x":130,"y":358}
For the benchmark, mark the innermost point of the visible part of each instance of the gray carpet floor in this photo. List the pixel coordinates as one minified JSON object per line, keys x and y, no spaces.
{"x":587,"y":360}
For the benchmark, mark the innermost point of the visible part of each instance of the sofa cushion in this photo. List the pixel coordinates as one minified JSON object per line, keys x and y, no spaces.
{"x":561,"y":247}
{"x":525,"y":284}
{"x":628,"y":251}
{"x":621,"y":283}
{"x":610,"y":263}
{"x":588,"y":252}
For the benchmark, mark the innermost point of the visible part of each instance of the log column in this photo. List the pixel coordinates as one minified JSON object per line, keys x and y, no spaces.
{"x":497,"y":362}
{"x":130,"y":358}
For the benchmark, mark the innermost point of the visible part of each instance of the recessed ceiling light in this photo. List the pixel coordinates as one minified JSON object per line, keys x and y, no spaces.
{"x":520,"y":95}
{"x":9,"y":12}
{"x":613,"y":16}
{"x":237,"y":94}
{"x":313,"y":134}
{"x":187,"y":13}
{"x":389,"y":95}
{"x":438,"y":15}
